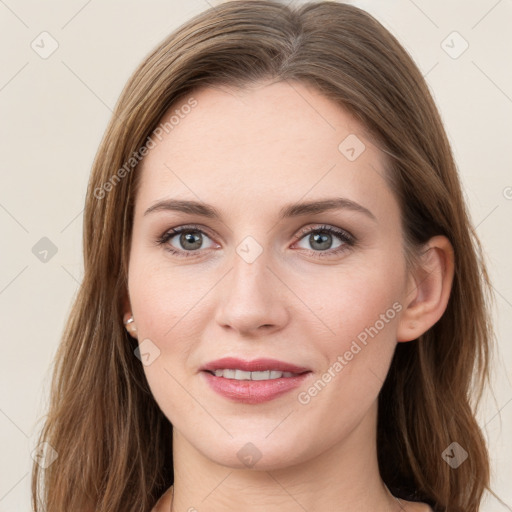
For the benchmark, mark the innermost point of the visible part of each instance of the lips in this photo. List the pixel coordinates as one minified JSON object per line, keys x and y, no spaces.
{"x":261,"y":380}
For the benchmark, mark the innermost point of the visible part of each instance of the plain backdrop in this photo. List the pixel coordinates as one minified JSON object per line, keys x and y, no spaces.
{"x":54,"y":110}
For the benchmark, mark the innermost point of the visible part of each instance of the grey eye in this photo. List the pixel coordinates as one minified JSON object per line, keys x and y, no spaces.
{"x":320,"y":241}
{"x":189,"y":240}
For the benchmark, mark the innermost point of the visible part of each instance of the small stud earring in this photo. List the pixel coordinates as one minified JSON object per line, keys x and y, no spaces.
{"x":132,"y":328}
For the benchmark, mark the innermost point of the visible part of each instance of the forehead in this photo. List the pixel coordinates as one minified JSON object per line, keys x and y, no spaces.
{"x":267,"y":141}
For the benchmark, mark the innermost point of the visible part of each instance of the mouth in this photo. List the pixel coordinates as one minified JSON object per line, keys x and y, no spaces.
{"x":253,"y":382}
{"x":236,"y":374}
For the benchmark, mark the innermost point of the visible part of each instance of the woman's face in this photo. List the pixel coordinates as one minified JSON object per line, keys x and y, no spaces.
{"x":256,"y":275}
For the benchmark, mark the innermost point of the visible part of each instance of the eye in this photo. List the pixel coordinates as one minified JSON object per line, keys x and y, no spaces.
{"x":184,"y":240}
{"x":326,"y":240}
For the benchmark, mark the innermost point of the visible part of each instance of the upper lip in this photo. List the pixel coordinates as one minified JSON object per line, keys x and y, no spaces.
{"x":255,"y":365}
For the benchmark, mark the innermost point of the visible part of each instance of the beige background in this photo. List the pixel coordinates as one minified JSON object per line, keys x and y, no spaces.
{"x":53,"y":113}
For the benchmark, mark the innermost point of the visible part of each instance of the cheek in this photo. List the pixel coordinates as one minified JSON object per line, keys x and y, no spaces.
{"x":361,"y":296}
{"x":160,"y":297}
{"x":165,"y":308}
{"x":168,"y":328}
{"x":363,"y":309}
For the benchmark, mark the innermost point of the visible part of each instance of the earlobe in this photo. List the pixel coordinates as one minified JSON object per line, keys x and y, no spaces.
{"x":129,"y":324}
{"x":429,"y":289}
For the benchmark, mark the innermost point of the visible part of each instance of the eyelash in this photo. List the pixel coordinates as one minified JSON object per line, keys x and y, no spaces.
{"x":348,"y":240}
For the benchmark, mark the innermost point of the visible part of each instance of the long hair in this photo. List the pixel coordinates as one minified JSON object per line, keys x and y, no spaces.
{"x":113,"y":442}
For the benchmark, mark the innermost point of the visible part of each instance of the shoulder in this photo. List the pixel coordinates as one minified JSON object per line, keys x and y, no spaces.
{"x":164,"y":503}
{"x":415,"y":506}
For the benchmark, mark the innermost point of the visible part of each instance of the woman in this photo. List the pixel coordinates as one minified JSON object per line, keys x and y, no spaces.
{"x":284,"y":303}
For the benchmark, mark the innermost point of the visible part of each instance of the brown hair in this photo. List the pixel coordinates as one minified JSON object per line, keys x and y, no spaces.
{"x":113,"y":441}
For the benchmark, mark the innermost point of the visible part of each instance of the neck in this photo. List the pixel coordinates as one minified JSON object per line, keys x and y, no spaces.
{"x":343,"y":477}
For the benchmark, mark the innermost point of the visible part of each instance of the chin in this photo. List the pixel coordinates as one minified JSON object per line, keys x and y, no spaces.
{"x":254,"y":452}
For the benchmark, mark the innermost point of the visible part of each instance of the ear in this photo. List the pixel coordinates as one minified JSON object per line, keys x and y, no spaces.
{"x":429,"y":288}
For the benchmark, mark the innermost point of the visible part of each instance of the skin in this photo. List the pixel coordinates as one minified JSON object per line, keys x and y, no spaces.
{"x":248,"y":153}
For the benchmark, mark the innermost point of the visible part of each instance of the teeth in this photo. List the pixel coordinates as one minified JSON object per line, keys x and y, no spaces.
{"x":243,"y":375}
{"x":261,"y":375}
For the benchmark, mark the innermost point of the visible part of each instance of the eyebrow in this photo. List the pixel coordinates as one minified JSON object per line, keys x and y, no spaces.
{"x":291,"y":210}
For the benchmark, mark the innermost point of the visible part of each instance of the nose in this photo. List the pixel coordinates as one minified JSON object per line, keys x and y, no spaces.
{"x":251,"y":299}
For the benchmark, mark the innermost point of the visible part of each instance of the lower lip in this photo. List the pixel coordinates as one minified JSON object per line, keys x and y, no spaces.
{"x":253,"y":391}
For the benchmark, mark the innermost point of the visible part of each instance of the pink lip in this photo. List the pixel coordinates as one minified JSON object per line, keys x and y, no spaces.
{"x":253,"y":391}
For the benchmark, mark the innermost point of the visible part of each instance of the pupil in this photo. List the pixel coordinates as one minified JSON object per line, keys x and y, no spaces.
{"x":323,"y":239}
{"x":188,"y":238}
